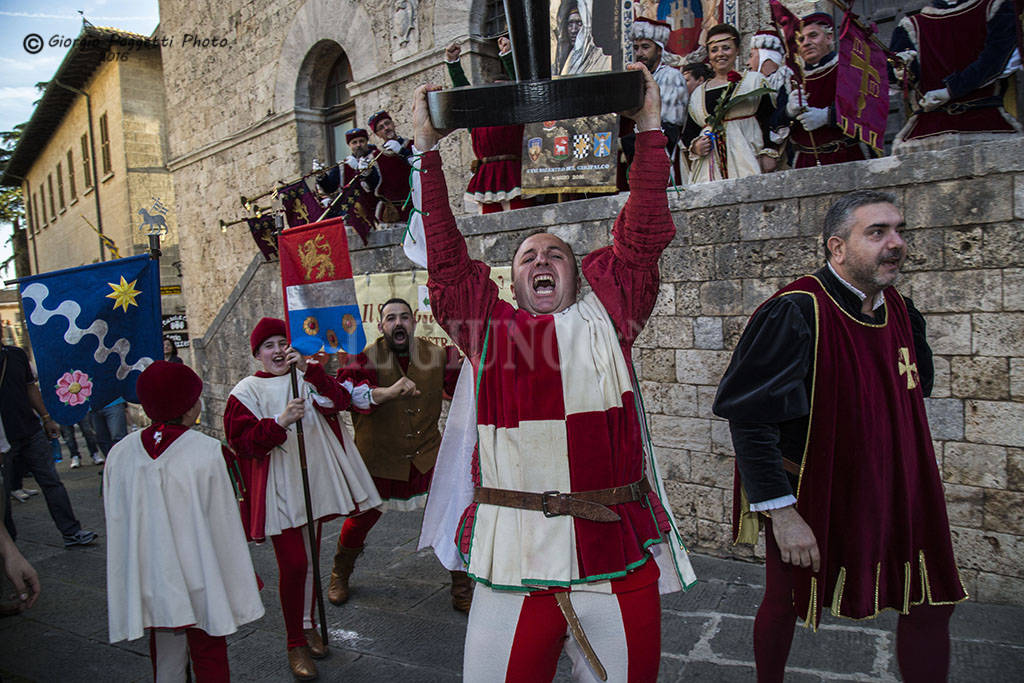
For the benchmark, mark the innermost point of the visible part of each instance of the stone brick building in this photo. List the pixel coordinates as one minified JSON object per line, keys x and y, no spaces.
{"x":259,"y":109}
{"x":94,"y":154}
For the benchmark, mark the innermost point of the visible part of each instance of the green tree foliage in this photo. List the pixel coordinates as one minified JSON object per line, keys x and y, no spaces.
{"x":11,"y":206}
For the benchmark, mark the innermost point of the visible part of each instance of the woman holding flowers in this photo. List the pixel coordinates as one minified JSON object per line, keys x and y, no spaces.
{"x":727,"y":131}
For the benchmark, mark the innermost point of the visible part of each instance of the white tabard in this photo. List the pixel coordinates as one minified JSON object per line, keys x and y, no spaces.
{"x":338,"y":479}
{"x":176,"y":552}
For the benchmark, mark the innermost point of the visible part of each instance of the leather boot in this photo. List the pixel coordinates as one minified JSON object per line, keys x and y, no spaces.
{"x":462,"y":591}
{"x":344,"y":561}
{"x":317,"y":647}
{"x":300,"y":659}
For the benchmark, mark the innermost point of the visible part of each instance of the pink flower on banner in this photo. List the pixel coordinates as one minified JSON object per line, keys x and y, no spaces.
{"x":74,"y":388}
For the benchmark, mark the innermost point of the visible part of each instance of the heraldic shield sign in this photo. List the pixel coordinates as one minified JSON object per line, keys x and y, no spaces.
{"x":320,"y":303}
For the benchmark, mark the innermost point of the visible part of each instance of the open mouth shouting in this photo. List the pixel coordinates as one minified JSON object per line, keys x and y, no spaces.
{"x":544,"y":284}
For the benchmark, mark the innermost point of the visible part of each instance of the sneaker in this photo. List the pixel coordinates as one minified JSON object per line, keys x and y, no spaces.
{"x":75,"y":461}
{"x":20,"y":495}
{"x":97,"y":458}
{"x":80,"y":537}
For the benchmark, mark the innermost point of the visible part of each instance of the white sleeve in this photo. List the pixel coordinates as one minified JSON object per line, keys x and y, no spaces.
{"x":774,"y":503}
{"x":362,"y":396}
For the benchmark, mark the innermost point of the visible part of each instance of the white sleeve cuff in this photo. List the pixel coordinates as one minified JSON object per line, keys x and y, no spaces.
{"x":416,"y":150}
{"x":322,"y":401}
{"x":774,"y":503}
{"x":362,"y":395}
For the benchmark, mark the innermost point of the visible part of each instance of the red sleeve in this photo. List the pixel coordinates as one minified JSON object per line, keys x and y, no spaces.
{"x":247,"y":435}
{"x":328,"y":387}
{"x":461,"y":291}
{"x":625,"y":275}
{"x":452,"y":367}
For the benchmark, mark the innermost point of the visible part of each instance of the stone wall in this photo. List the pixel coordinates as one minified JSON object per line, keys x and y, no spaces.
{"x":737,"y":241}
{"x":244,"y":115}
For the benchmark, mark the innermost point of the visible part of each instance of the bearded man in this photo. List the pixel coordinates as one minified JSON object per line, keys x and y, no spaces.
{"x":825,"y":402}
{"x":397,"y":384}
{"x":567,"y":530}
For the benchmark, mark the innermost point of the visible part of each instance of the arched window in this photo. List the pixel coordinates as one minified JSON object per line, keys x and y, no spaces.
{"x":339,"y":107}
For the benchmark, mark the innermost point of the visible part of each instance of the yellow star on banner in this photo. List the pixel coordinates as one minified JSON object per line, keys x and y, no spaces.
{"x":123,"y":294}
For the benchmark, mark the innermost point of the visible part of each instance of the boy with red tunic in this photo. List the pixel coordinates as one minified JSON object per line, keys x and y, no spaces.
{"x":177,"y":562}
{"x":825,"y":402}
{"x":259,"y":422}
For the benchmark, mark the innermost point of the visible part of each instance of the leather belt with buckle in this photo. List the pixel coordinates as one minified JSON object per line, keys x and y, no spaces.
{"x":589,"y":505}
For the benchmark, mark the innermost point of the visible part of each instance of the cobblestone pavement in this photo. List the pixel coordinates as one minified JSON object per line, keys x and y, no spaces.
{"x":399,"y":624}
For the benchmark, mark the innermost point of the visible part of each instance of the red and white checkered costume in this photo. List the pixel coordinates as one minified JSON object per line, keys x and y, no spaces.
{"x":555,"y":409}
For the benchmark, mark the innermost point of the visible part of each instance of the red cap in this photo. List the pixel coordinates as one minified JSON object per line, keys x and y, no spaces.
{"x":354,"y":133}
{"x":377,"y":118}
{"x":266,"y":328}
{"x":168,"y":390}
{"x":818,"y":18}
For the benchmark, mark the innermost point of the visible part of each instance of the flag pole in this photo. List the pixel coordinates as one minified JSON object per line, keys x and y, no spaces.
{"x":314,"y":556}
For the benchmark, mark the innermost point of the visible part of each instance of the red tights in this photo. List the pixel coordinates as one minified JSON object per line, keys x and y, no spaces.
{"x":922,"y":636}
{"x":355,"y":529}
{"x":170,"y":650}
{"x":295,"y":581}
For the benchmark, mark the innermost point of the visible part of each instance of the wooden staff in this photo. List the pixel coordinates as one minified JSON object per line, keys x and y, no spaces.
{"x":803,"y":81}
{"x":314,"y":556}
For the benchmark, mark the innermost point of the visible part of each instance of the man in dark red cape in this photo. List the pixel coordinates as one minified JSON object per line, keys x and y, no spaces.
{"x":825,"y":402}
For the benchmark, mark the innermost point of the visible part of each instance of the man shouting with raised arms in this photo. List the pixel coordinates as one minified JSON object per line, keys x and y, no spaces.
{"x":567,"y":514}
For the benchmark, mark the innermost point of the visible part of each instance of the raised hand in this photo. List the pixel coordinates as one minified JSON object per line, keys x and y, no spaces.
{"x":425,"y":135}
{"x":648,"y":116}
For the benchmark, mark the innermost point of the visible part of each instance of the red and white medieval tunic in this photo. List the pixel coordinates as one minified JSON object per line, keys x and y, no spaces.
{"x":269,"y":453}
{"x":556,"y":408}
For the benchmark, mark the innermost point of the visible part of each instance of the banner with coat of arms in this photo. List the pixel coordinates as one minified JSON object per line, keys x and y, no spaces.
{"x":320,"y":306}
{"x":579,"y":155}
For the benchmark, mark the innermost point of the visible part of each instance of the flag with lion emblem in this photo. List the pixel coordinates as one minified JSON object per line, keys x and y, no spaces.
{"x":320,"y":305}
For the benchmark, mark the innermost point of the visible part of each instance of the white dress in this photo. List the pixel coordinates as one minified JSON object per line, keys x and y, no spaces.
{"x":743,"y":136}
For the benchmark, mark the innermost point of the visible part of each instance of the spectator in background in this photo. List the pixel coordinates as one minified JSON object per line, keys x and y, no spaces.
{"x":21,"y":409}
{"x":171,"y":351}
{"x":727,"y":131}
{"x":807,"y":113}
{"x":958,"y":52}
{"x":696,"y":73}
{"x":498,"y":167}
{"x":20,"y":572}
{"x":110,"y":423}
{"x":67,"y":433}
